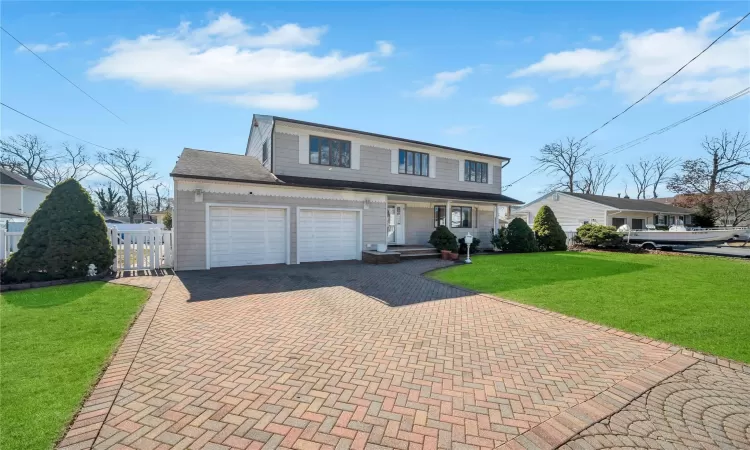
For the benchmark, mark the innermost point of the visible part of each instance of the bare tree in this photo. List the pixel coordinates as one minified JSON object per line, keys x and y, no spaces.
{"x":109,"y":200}
{"x":128,"y":170}
{"x":727,"y":156}
{"x":24,"y":154}
{"x":662,"y":166}
{"x":162,"y":192}
{"x":595,"y":176}
{"x":642,"y":175}
{"x":72,"y":163}
{"x":564,"y":159}
{"x":732,"y":203}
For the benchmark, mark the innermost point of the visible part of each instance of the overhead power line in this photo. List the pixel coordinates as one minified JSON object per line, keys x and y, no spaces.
{"x":56,"y":129}
{"x":669,"y":78}
{"x":622,"y":147}
{"x":66,"y":78}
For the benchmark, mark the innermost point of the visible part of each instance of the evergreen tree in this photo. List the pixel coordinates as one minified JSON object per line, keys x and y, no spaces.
{"x":518,"y":237}
{"x":549,"y":234}
{"x":62,"y":238}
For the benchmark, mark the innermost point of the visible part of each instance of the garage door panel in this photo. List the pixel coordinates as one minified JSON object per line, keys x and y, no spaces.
{"x":327,"y":235}
{"x":247,"y":236}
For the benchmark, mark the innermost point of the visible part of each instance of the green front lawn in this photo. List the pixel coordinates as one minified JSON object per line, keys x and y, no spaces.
{"x":53,"y":344}
{"x":696,"y":302}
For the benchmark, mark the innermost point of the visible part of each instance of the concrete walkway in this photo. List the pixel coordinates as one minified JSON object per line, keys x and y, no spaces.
{"x":354,"y":356}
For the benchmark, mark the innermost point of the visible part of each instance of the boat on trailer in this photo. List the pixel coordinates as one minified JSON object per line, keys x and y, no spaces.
{"x":679,"y":234}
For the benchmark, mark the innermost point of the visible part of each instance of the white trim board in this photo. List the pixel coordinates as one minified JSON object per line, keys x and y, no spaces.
{"x":287,"y":220}
{"x":360,"y":231}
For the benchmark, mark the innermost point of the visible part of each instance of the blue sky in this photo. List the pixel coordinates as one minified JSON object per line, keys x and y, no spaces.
{"x":500,"y":78}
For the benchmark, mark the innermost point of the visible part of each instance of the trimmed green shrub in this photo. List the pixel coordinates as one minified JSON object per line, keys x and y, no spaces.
{"x":62,"y":238}
{"x":462,"y":245}
{"x":498,"y":238}
{"x":704,"y":215}
{"x":443,"y":239}
{"x":167,"y":220}
{"x":519,"y":238}
{"x":594,"y":235}
{"x":549,"y":234}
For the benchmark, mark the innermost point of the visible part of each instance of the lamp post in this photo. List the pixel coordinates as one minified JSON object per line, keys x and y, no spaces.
{"x":468,"y":240}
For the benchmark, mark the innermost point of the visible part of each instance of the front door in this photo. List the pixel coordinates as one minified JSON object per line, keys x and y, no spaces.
{"x":396,"y":224}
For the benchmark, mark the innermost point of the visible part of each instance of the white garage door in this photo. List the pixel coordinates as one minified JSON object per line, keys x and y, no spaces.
{"x":325,"y":235}
{"x":247,"y":236}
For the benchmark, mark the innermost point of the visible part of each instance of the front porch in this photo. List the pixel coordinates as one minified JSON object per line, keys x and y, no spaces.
{"x":411,"y":220}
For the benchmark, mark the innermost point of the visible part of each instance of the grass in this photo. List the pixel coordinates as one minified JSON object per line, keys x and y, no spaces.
{"x":53,"y":344}
{"x":696,"y":302}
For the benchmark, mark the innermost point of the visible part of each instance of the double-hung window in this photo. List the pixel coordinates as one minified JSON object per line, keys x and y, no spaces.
{"x":330,"y":152}
{"x":475,"y":171}
{"x":461,"y":216}
{"x":413,"y":163}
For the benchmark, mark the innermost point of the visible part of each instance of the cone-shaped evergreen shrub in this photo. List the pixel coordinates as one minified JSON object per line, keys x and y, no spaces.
{"x":518,"y":237}
{"x":62,"y":238}
{"x":549,"y":234}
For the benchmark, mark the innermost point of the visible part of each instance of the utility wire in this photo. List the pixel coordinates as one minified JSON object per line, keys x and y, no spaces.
{"x":622,"y":147}
{"x":58,"y":72}
{"x":56,"y":129}
{"x":669,"y":78}
{"x":649,"y":93}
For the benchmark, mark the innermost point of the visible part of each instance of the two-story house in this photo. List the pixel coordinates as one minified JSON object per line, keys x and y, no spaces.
{"x":307,"y":192}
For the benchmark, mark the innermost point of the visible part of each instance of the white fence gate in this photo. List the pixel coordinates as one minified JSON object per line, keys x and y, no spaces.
{"x":143,"y":249}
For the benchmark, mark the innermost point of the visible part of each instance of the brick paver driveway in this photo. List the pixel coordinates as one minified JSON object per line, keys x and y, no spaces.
{"x":349,"y":355}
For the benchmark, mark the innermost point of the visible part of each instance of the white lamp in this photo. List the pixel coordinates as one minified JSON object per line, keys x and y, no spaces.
{"x":468,"y":240}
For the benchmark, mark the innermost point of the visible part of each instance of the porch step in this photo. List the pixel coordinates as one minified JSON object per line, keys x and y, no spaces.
{"x":409,"y":256}
{"x":417,"y":252}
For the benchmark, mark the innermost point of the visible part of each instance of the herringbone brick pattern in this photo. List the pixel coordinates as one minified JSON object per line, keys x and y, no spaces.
{"x":318,"y":357}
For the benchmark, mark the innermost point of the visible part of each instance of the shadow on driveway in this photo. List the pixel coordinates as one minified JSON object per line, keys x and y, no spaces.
{"x":394,"y":285}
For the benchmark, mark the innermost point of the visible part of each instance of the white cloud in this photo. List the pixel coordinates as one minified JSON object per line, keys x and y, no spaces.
{"x":456,"y":130}
{"x":44,"y":48}
{"x":515,"y":97}
{"x":277,"y":101}
{"x":385,"y":48}
{"x":225,"y":56}
{"x":566,"y":101}
{"x":444,"y":83}
{"x":640,"y":61}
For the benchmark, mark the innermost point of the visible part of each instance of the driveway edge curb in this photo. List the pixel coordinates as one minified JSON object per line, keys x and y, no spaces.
{"x":88,"y":422}
{"x":559,"y":429}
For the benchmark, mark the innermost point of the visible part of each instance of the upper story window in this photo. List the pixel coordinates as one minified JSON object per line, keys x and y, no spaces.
{"x":475,"y":171}
{"x":330,"y":152}
{"x":413,"y":163}
{"x":265,"y":150}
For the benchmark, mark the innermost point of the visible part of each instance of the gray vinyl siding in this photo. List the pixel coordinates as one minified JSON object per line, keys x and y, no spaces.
{"x":485,"y":223}
{"x":258,"y":136}
{"x":190,"y":238}
{"x":420,"y":222}
{"x":375,"y":167}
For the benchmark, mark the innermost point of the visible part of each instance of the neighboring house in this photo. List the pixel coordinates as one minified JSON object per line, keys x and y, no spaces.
{"x":725,"y":217}
{"x":159,"y":216}
{"x":19,"y":196}
{"x":573,"y":210}
{"x":308,"y":192}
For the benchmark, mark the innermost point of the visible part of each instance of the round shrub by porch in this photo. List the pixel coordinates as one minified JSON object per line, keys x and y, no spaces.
{"x":594,"y":235}
{"x":518,"y":237}
{"x":443,"y":239}
{"x":549,"y":234}
{"x":62,"y":238}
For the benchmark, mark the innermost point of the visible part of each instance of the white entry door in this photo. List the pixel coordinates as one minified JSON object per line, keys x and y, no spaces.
{"x":396,"y":224}
{"x":327,"y":235}
{"x":246,"y":236}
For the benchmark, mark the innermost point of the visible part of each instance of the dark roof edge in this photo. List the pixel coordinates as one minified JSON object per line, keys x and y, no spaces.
{"x":330,"y":188}
{"x":385,"y":136}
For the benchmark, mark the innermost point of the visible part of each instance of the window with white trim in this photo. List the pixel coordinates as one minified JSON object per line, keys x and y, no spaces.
{"x":475,"y":171}
{"x":330,"y":152}
{"x":461,"y":216}
{"x":413,"y":163}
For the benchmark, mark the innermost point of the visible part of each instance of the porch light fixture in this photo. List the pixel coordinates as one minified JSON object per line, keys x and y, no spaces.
{"x":199,"y":195}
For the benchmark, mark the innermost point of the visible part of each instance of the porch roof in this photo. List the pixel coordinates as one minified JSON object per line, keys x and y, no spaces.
{"x":397,"y":189}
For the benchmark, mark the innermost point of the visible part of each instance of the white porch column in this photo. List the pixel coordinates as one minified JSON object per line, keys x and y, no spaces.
{"x":448,"y":214}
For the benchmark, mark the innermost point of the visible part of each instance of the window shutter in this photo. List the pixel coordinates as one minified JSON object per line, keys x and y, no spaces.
{"x":394,"y":160}
{"x":355,"y":154}
{"x":490,"y":169}
{"x":433,"y":166}
{"x":304,"y":149}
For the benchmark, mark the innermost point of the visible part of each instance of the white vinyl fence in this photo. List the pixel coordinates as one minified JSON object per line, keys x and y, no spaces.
{"x":141,"y":249}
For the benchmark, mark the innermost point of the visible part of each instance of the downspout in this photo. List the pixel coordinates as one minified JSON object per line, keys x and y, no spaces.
{"x":273,"y":127}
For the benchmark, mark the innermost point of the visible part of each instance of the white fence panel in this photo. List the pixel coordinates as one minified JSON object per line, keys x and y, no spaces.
{"x":142,"y":249}
{"x":9,"y":242}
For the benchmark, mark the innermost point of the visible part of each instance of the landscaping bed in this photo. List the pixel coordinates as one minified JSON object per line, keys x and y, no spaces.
{"x":699,"y":302}
{"x":55,"y":342}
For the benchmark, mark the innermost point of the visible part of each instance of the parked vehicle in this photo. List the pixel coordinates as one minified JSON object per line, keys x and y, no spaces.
{"x":679,"y":234}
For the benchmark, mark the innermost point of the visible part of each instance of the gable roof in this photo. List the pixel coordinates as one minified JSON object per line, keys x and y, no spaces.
{"x":215,"y":166}
{"x":12,"y":178}
{"x":630,"y":204}
{"x":384,"y":136}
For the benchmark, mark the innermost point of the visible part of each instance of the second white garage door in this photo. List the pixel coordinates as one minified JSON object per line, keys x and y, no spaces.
{"x":327,"y":235}
{"x":247,"y":236}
